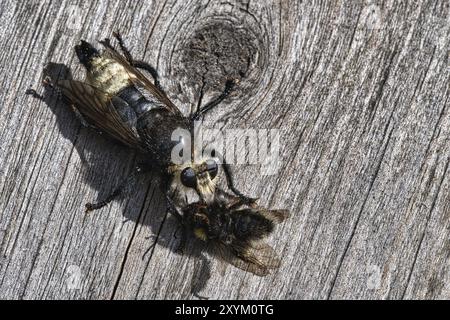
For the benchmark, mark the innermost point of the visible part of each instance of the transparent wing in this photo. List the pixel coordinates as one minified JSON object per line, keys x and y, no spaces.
{"x":111,"y":115}
{"x":258,"y":257}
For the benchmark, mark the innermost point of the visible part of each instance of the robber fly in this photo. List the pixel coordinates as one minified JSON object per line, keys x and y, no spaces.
{"x":118,"y":99}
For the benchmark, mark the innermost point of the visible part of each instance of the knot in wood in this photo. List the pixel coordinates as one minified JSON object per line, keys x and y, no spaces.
{"x":218,"y":51}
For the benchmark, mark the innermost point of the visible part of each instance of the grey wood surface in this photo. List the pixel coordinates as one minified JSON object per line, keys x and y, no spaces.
{"x":359,"y":90}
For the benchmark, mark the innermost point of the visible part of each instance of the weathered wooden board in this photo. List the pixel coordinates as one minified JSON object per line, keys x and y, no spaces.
{"x":359,"y":90}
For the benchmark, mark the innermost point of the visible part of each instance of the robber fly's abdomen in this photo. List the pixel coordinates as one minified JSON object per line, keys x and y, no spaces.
{"x":156,"y":128}
{"x":136,"y":100}
{"x":155,"y":123}
{"x":107,"y":75}
{"x":112,"y":78}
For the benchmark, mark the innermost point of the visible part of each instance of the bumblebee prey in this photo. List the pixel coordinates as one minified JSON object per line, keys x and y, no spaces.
{"x":118,"y":99}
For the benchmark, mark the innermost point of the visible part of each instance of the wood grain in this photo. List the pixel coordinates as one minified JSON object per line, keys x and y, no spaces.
{"x":359,"y":91}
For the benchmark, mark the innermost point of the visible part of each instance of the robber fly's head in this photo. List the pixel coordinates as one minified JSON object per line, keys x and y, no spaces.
{"x":86,"y":52}
{"x":199,"y":177}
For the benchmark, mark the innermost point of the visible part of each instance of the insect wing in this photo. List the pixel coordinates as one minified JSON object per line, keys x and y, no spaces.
{"x":141,"y":81}
{"x":258,"y":257}
{"x":111,"y":115}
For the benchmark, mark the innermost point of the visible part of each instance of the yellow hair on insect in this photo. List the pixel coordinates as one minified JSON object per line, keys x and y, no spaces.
{"x":200,"y":233}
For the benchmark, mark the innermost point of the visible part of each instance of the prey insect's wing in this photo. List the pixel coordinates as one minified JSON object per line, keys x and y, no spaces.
{"x":109,"y":114}
{"x":141,"y":81}
{"x":257,"y":257}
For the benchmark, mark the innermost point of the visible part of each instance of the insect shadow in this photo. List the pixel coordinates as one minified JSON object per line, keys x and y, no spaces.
{"x":146,"y":206}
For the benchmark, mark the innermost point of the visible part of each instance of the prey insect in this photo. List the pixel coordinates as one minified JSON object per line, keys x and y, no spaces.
{"x":118,"y":99}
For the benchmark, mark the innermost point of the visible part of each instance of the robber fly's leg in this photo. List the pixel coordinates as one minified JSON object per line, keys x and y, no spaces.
{"x":80,"y":117}
{"x":123,"y":189}
{"x":135,"y":63}
{"x":124,"y":49}
{"x":147,"y":67}
{"x":153,"y":238}
{"x":174,"y":210}
{"x":229,"y":85}
{"x":34,"y":93}
{"x":182,"y":241}
{"x":107,"y":44}
{"x":95,"y":206}
{"x":47,"y":82}
{"x":230,"y":182}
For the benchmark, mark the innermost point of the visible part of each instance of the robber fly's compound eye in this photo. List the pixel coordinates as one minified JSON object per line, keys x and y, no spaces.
{"x":212,"y":168}
{"x":188,"y":178}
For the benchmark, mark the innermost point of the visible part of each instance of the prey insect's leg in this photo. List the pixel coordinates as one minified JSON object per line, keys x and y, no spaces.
{"x":146,"y":66}
{"x":229,"y":85}
{"x":123,"y":189}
